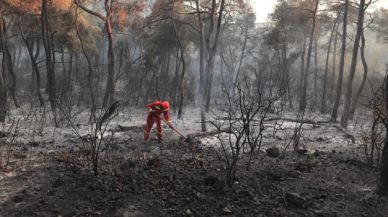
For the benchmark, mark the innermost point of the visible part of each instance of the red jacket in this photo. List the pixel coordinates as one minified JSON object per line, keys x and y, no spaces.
{"x":156,"y":107}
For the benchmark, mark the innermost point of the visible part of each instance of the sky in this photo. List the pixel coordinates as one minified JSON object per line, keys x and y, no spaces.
{"x":264,"y":7}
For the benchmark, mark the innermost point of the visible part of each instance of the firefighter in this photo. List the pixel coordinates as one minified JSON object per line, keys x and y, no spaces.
{"x":155,"y":111}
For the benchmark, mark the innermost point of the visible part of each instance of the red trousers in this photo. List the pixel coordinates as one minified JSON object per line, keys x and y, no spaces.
{"x":151,"y":119}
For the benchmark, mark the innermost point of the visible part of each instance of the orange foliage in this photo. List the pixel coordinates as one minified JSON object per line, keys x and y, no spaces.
{"x":61,"y":4}
{"x":120,"y":16}
{"x":124,"y":14}
{"x":28,"y":6}
{"x":32,"y":6}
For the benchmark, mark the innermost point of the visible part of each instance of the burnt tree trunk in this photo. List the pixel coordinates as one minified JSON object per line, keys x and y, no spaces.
{"x":314,"y":103}
{"x":12,"y":73}
{"x":33,"y":63}
{"x":212,"y":48}
{"x":69,"y":82}
{"x":110,"y":98}
{"x":111,"y":85}
{"x":157,"y":84}
{"x":53,"y":57}
{"x":332,"y":81}
{"x":14,"y":54}
{"x":34,"y":75}
{"x":209,"y":91}
{"x":303,"y":100}
{"x":10,"y":65}
{"x":349,"y":87}
{"x":90,"y":67}
{"x":362,"y":84}
{"x":302,"y":68}
{"x":323,"y":105}
{"x":150,"y":87}
{"x":286,"y":70}
{"x":201,"y":69}
{"x":77,"y":67}
{"x":19,"y":55}
{"x":50,"y":89}
{"x":32,"y":85}
{"x":64,"y":65}
{"x":383,"y":185}
{"x":337,"y":99}
{"x":175,"y":81}
{"x":182,"y":59}
{"x":3,"y":88}
{"x":235,"y":82}
{"x":141,"y":85}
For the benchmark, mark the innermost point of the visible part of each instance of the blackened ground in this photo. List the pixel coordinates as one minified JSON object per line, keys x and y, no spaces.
{"x":170,"y":182}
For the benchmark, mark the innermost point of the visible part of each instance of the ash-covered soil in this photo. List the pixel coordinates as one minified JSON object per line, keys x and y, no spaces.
{"x":50,"y":174}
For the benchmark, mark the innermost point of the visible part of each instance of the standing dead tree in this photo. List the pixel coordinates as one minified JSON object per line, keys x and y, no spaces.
{"x":7,"y":59}
{"x":303,"y":100}
{"x":91,"y":85}
{"x":3,"y":88}
{"x":33,"y":62}
{"x":383,"y":184}
{"x":349,"y":88}
{"x":109,"y":6}
{"x":338,"y":89}
{"x":241,"y":116}
{"x":372,"y":136}
{"x":323,"y":106}
{"x":95,"y":140}
{"x":208,"y":40}
{"x":182,"y":59}
{"x":364,"y":77}
{"x":47,"y":36}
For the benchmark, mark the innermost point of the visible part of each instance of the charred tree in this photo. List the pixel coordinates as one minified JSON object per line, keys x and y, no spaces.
{"x":111,"y":84}
{"x":182,"y":60}
{"x":10,"y":65}
{"x":303,"y":100}
{"x":362,"y":84}
{"x":90,"y":67}
{"x":323,"y":105}
{"x":241,"y":58}
{"x":349,"y":87}
{"x":332,"y":80}
{"x":47,"y":44}
{"x":211,"y":48}
{"x":201,"y":69}
{"x":302,"y":68}
{"x":334,"y":114}
{"x":34,"y":64}
{"x":314,"y":101}
{"x":383,"y":184}
{"x":3,"y":88}
{"x":19,"y":55}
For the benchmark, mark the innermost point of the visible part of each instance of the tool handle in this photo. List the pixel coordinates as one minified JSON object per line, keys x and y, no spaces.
{"x":173,"y":128}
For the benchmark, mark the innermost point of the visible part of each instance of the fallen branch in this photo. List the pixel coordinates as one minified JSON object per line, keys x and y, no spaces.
{"x":360,"y":162}
{"x":208,"y":133}
{"x":305,"y":121}
{"x":125,"y":128}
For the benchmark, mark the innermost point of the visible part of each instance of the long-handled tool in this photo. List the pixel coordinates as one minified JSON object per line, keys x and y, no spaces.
{"x":186,"y":139}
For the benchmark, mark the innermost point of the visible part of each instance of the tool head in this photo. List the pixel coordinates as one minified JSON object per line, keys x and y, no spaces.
{"x":189,"y":139}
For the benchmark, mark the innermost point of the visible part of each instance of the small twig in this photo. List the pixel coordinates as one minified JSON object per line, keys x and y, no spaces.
{"x":101,"y":201}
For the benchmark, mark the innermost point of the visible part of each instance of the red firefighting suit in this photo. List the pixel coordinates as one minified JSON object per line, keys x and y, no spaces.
{"x":155,"y":115}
